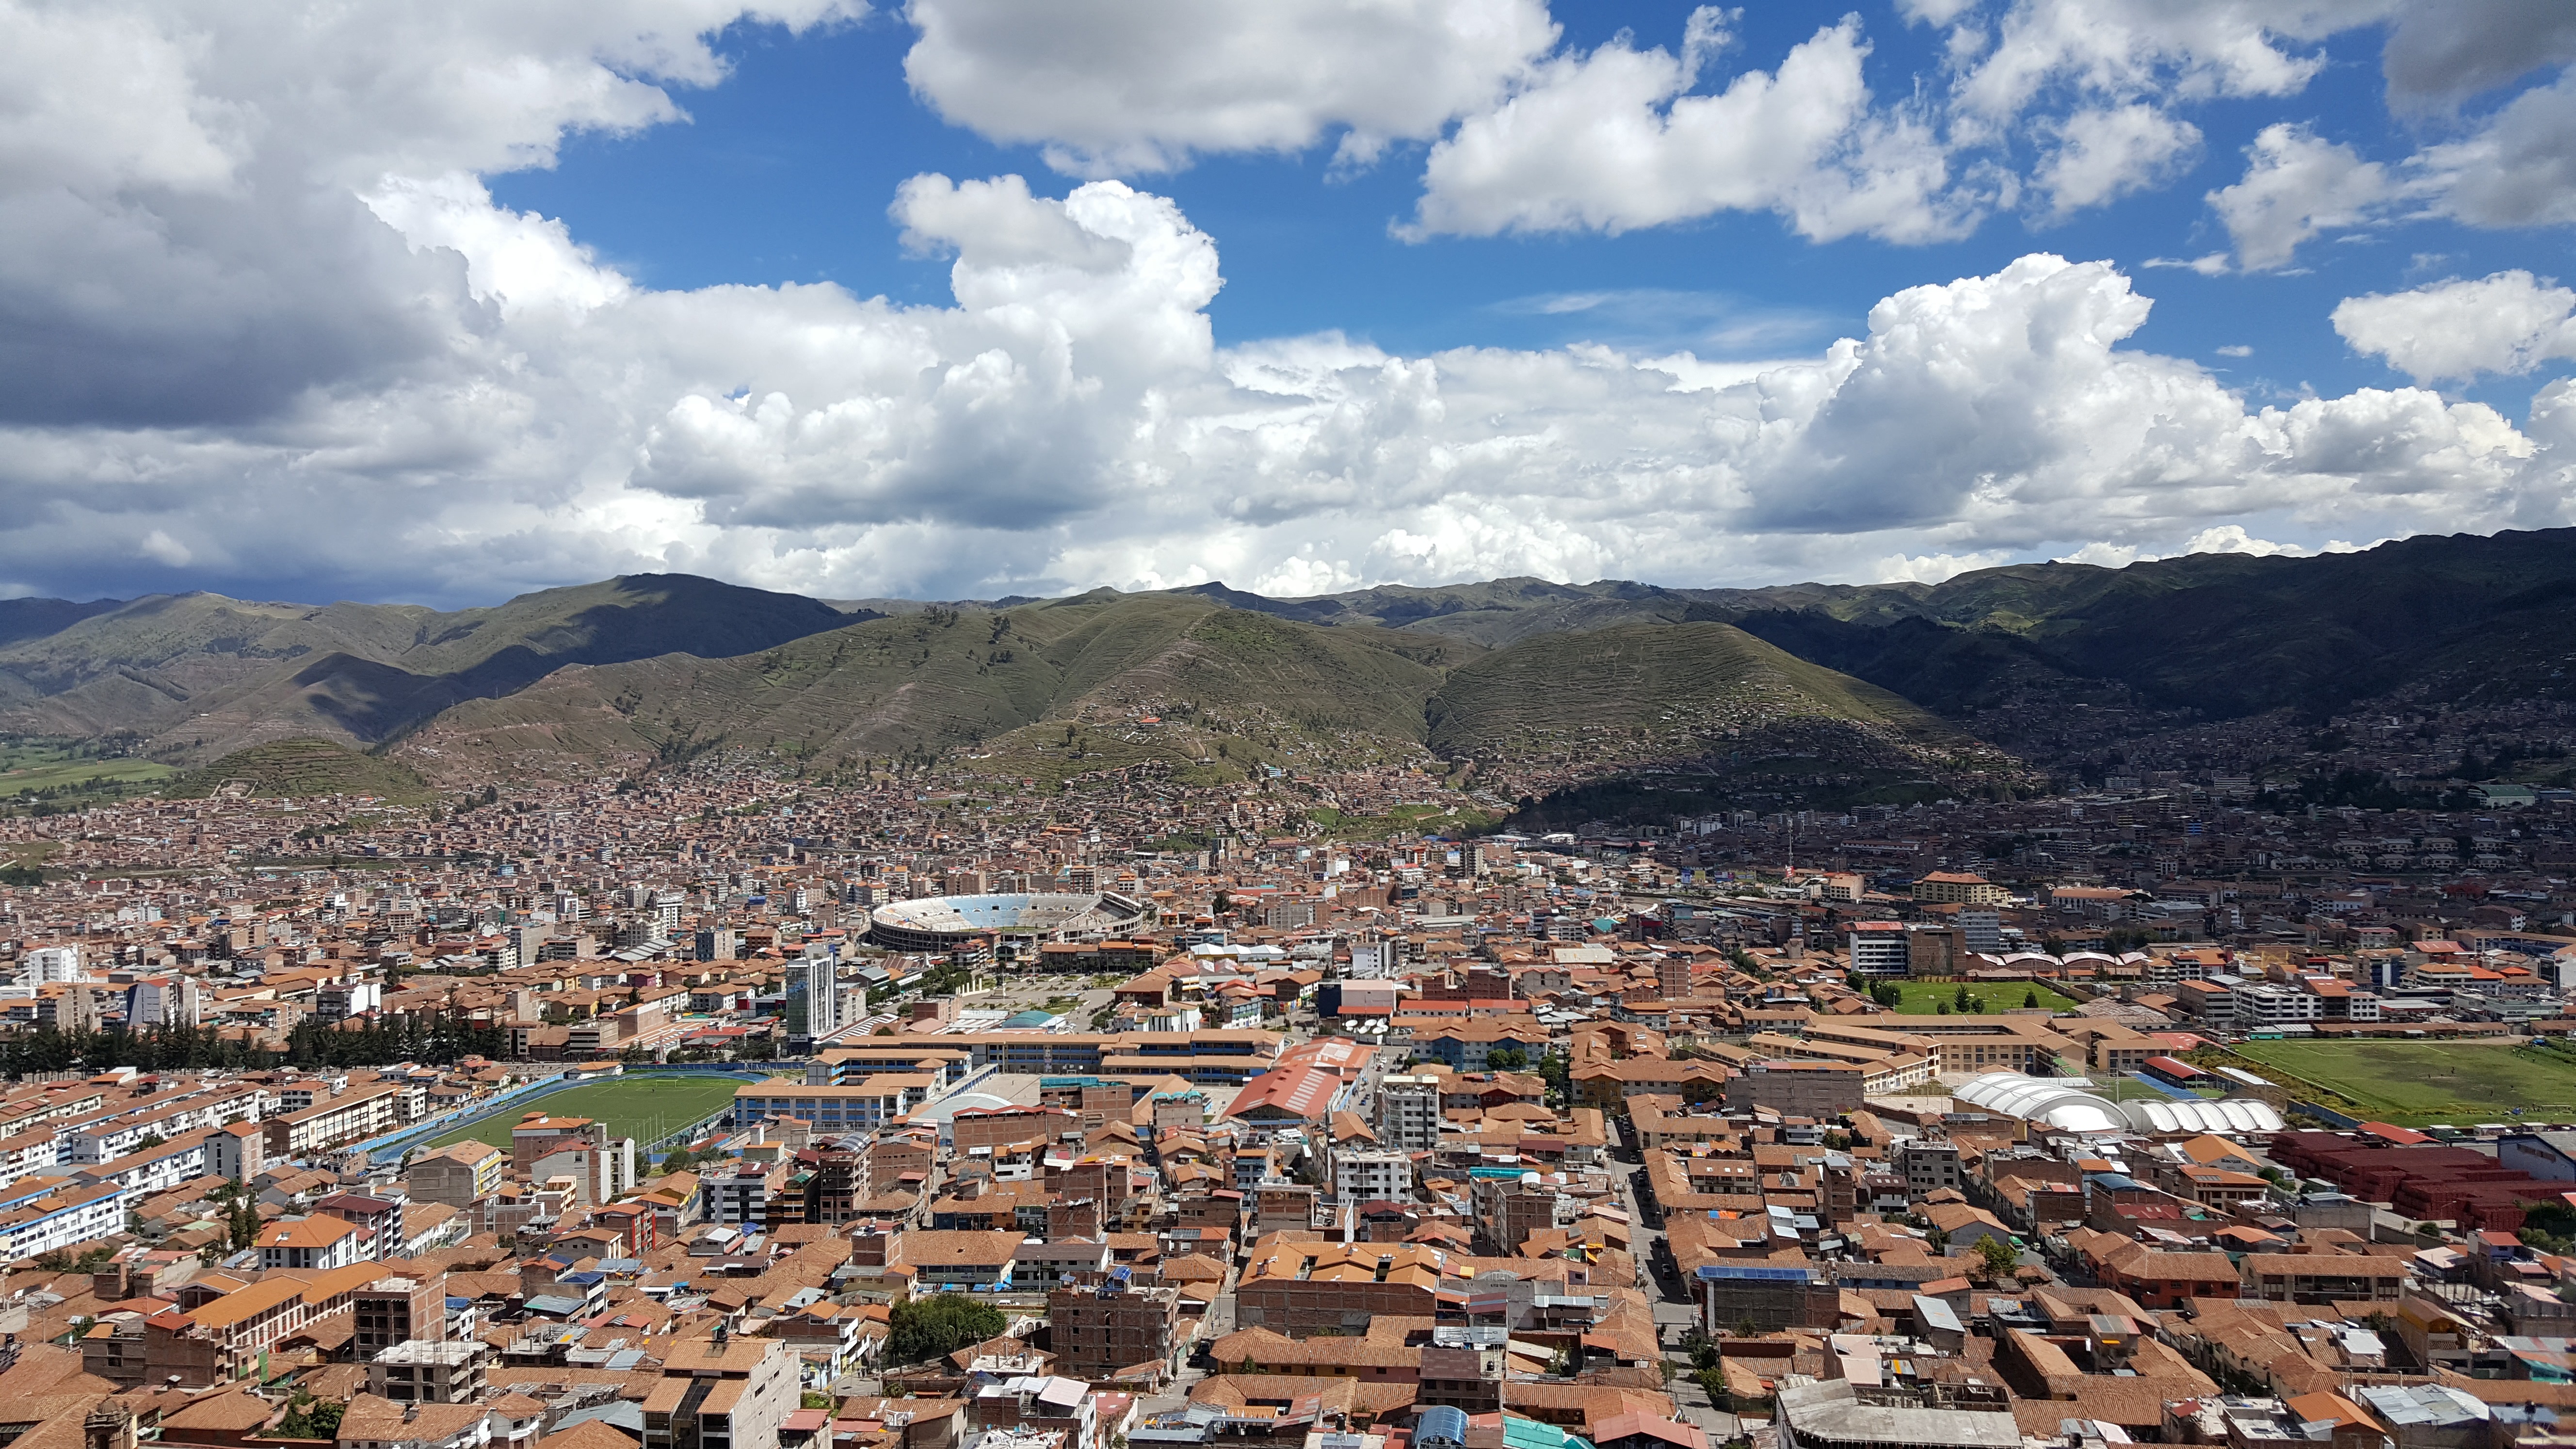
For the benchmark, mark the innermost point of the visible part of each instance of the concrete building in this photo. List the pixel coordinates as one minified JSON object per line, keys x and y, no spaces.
{"x":1370,"y":1176}
{"x":430,"y":1372}
{"x":1408,"y":1113}
{"x":1879,"y":948}
{"x":731,"y":1391}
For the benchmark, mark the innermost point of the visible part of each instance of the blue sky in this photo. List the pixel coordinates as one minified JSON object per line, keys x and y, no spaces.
{"x":448,"y":301}
{"x":786,"y":168}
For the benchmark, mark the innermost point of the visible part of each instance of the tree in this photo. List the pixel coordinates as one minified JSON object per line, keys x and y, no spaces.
{"x":311,"y":1418}
{"x":2000,"y":1257}
{"x":2030,"y":998}
{"x":1507,"y":1059}
{"x":1558,"y":1074}
{"x":1960,"y":1001}
{"x":924,"y":1328}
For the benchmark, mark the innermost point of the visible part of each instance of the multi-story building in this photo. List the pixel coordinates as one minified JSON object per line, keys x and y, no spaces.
{"x":2270,"y":1005}
{"x":1408,"y":1113}
{"x":1959,"y":888}
{"x":858,"y":1107}
{"x":1100,"y":1331}
{"x":1929,"y":1166}
{"x":740,"y":1191}
{"x":363,"y":1112}
{"x":1508,"y":1210}
{"x":1303,"y":1287}
{"x":311,"y":1242}
{"x":723,"y":1393}
{"x":1879,"y":948}
{"x":813,"y":998}
{"x":379,"y":1221}
{"x":457,"y":1175}
{"x":391,"y":1311}
{"x":1372,"y":1176}
{"x":429,"y":1372}
{"x":40,"y":1214}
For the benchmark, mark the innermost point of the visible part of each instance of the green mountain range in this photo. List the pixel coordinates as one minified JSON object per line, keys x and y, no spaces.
{"x":1862,"y":684}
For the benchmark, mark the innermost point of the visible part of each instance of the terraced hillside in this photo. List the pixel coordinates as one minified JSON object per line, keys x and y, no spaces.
{"x":302,"y":769}
{"x":1651,"y":686}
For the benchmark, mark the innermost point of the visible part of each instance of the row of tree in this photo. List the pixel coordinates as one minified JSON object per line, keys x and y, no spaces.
{"x":436,"y":1039}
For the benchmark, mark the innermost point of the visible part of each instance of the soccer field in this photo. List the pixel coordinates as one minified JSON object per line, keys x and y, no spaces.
{"x":641,"y":1107}
{"x":1926,"y":998}
{"x":2416,"y":1083}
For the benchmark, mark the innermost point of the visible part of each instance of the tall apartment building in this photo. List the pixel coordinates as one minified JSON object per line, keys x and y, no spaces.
{"x":1408,"y":1113}
{"x":740,"y":1191}
{"x":1929,"y":1166}
{"x":1509,"y":1210}
{"x":813,"y":998}
{"x":1101,"y":1330}
{"x":1879,"y":948}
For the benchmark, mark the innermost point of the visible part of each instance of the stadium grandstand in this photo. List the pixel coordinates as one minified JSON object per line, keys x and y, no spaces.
{"x":1013,"y":926}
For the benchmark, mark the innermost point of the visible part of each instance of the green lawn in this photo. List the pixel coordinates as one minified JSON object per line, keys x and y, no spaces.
{"x":32,"y":770}
{"x":641,"y":1107}
{"x":2416,"y":1083}
{"x":1926,"y":998}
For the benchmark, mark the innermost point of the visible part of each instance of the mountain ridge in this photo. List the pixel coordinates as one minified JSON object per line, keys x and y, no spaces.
{"x":1922,"y":681}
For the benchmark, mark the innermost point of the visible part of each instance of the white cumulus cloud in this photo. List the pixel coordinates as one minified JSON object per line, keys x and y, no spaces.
{"x":277,"y":338}
{"x":2102,"y":155}
{"x":1612,"y":141}
{"x":2455,"y":330}
{"x":1142,"y":85}
{"x":2296,"y":184}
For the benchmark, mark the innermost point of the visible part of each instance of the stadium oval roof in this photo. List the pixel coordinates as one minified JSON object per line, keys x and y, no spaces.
{"x":932,"y":921}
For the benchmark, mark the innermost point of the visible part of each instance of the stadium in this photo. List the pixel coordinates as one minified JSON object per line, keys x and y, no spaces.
{"x":1015,"y":924}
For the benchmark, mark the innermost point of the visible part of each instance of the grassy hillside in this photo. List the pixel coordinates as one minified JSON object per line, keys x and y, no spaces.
{"x":944,"y":678}
{"x":1673,"y":682}
{"x":2226,"y":634}
{"x":201,"y":674}
{"x":1109,"y":683}
{"x":302,"y":768}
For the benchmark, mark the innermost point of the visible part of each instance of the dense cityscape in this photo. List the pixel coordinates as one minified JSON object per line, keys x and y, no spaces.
{"x":1287,"y":724}
{"x":718,"y":1104}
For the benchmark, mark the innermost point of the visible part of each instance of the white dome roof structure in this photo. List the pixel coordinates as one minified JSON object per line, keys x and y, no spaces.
{"x":2070,"y":1108}
{"x":2173,"y":1114}
{"x":2061,"y":1105}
